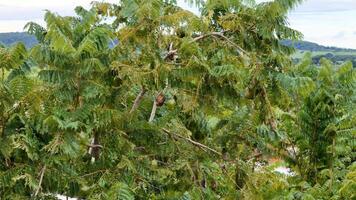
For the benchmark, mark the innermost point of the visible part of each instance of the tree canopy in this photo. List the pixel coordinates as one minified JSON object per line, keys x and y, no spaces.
{"x":145,"y":100}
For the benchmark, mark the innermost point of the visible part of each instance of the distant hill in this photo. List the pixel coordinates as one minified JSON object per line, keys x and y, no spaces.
{"x":335,"y":54}
{"x":9,"y":39}
{"x":311,"y":46}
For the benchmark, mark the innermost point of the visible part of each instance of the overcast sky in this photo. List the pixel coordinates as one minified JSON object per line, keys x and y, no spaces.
{"x":327,"y":22}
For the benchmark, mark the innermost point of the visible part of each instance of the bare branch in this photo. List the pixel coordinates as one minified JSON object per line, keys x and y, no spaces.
{"x":207,"y":35}
{"x":202,"y":146}
{"x":99,"y":171}
{"x":221,"y":35}
{"x":90,"y":146}
{"x":153,"y":112}
{"x":95,"y":146}
{"x":171,"y":52}
{"x":41,"y":179}
{"x":138,"y":100}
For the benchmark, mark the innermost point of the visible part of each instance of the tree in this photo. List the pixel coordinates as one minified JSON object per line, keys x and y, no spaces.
{"x":164,"y":104}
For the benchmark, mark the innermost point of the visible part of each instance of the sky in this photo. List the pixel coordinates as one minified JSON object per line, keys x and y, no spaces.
{"x":327,"y":22}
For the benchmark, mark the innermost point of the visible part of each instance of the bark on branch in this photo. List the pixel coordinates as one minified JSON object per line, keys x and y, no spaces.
{"x":221,"y":35}
{"x":202,"y":146}
{"x":41,"y":179}
{"x":95,"y":146}
{"x":138,"y":100}
{"x":153,"y":112}
{"x":171,"y":53}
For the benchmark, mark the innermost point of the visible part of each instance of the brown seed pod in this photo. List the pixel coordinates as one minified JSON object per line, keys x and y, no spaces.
{"x":160,"y":99}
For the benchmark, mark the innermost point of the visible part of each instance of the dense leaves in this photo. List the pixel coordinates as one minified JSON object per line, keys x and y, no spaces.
{"x":164,"y":104}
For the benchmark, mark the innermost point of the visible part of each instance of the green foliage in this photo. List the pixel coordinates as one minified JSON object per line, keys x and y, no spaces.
{"x":164,"y":104}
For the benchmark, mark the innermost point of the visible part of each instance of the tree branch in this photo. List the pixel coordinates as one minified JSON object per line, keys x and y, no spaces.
{"x":99,"y":171}
{"x":154,"y":107}
{"x":41,"y":179}
{"x":171,"y":52}
{"x":221,"y":35}
{"x":138,"y":99}
{"x":202,"y":146}
{"x":95,"y":146}
{"x":153,"y":112}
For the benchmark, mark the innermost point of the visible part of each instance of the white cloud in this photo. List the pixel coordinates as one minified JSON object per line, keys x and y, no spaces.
{"x":14,"y":14}
{"x":15,"y":25}
{"x":48,"y":3}
{"x":327,"y":28}
{"x":34,"y":9}
{"x":326,"y":5}
{"x":327,"y":22}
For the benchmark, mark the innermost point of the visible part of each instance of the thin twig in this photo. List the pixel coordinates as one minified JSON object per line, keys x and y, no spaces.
{"x":41,"y":179}
{"x":138,"y":100}
{"x":207,"y":35}
{"x":221,"y":35}
{"x":170,"y":54}
{"x":90,"y":146}
{"x":95,"y":146}
{"x":103,"y":170}
{"x":153,"y":112}
{"x":202,"y":146}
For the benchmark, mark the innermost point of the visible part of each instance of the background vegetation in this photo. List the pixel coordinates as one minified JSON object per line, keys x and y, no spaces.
{"x":334,"y":54}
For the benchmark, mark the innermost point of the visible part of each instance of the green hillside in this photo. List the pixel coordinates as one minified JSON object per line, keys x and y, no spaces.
{"x":337,"y":55}
{"x":314,"y":47}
